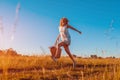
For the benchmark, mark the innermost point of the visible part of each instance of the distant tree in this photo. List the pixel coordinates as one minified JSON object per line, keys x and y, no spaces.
{"x":11,"y":52}
{"x":93,"y":56}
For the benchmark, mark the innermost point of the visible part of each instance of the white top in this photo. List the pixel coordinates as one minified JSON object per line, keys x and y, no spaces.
{"x":64,"y":34}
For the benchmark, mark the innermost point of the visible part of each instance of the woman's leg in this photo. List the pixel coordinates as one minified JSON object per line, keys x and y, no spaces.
{"x":66,"y":47}
{"x":58,"y":51}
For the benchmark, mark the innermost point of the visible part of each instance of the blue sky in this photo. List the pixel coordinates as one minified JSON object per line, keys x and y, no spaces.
{"x":38,"y":22}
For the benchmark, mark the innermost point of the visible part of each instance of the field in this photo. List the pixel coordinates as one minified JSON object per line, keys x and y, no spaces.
{"x":43,"y":68}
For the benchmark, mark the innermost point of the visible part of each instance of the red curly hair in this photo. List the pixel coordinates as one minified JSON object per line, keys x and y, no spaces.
{"x":63,"y":21}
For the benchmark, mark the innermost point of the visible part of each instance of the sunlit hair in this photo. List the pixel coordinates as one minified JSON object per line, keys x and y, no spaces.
{"x":63,"y":21}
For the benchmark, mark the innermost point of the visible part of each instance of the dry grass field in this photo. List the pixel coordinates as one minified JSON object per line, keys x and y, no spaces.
{"x":43,"y":68}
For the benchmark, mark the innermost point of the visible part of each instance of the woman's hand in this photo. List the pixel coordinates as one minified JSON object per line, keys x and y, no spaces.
{"x":80,"y":32}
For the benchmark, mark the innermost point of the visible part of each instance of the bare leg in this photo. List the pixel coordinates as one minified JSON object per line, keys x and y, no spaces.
{"x":68,"y":52}
{"x":66,"y":47}
{"x":58,"y":51}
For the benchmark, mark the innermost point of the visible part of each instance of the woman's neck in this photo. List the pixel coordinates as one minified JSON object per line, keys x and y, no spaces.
{"x":63,"y":25}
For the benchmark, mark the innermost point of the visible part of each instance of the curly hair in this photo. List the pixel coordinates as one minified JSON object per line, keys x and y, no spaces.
{"x":63,"y":21}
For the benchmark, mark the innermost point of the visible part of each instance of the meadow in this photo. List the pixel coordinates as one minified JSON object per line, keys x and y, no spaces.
{"x":43,"y":68}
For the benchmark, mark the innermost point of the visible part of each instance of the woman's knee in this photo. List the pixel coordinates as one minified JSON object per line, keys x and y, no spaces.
{"x":60,"y":44}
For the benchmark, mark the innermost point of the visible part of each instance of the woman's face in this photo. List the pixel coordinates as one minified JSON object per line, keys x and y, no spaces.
{"x":64,"y":21}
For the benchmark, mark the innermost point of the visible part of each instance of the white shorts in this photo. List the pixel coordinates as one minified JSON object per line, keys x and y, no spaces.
{"x":67,"y":42}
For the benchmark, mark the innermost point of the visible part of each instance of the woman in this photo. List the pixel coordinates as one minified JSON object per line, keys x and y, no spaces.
{"x":65,"y":39}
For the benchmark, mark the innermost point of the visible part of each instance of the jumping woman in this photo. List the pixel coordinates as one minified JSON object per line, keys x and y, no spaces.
{"x":65,"y":38}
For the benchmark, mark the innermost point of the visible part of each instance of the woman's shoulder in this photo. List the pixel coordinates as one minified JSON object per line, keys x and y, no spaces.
{"x":68,"y":26}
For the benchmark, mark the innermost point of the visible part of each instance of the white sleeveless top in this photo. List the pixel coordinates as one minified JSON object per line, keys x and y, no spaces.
{"x":64,"y":34}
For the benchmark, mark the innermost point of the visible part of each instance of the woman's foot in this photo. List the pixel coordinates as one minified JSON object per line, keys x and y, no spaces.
{"x":74,"y":64}
{"x":54,"y":59}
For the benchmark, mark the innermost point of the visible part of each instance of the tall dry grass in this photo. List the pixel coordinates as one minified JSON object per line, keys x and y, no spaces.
{"x":43,"y":68}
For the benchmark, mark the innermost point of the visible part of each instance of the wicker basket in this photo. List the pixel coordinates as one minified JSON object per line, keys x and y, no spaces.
{"x":53,"y":52}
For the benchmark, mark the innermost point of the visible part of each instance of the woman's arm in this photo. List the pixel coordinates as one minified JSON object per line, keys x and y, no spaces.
{"x":57,"y":39}
{"x":74,"y":29}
